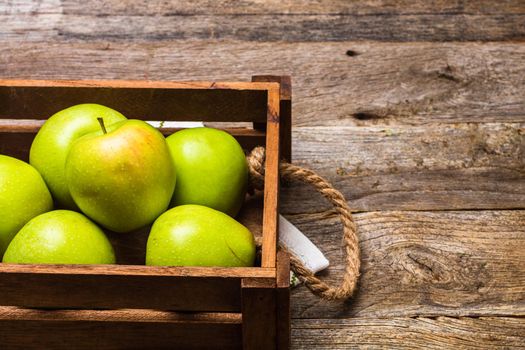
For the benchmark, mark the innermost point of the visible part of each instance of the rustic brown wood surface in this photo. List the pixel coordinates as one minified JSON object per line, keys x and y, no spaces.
{"x":415,"y":110}
{"x":271,"y":183}
{"x":410,"y":333}
{"x":322,"y":20}
{"x":377,"y":84}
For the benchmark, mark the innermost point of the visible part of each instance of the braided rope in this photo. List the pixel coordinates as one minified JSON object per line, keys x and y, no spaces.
{"x":350,"y":242}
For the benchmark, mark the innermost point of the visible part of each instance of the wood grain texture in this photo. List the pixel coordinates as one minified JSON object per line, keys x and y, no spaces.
{"x":380,"y":83}
{"x":432,"y":167}
{"x":463,"y":263}
{"x":270,"y":223}
{"x":121,"y":315}
{"x":139,"y":270}
{"x":117,"y":329}
{"x":255,"y":7}
{"x":283,"y":301}
{"x":410,"y":333}
{"x":205,"y":101}
{"x":276,"y":21}
{"x":259,"y":314}
{"x":100,"y":291}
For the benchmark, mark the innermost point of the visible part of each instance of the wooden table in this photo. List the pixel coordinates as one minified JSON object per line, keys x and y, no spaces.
{"x":415,"y":110}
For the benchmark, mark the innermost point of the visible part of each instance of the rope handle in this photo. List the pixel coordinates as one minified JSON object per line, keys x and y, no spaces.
{"x":350,"y":242}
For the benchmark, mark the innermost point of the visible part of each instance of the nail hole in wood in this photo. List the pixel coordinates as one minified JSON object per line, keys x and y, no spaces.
{"x":351,"y":53}
{"x":366,"y":116}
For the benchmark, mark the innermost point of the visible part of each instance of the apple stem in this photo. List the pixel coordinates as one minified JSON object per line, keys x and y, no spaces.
{"x":101,"y":122}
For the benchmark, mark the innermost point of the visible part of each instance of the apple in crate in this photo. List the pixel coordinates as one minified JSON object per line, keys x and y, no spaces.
{"x":53,"y":141}
{"x":23,"y":195}
{"x":60,"y":237}
{"x":123,"y":177}
{"x":211,"y":169}
{"x":194,"y":235}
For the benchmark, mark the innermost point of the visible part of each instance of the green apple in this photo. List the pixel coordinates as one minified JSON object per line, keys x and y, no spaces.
{"x":60,"y":237}
{"x":194,"y":235}
{"x":52,"y":143}
{"x":23,"y":195}
{"x":123,"y":177}
{"x":211,"y":169}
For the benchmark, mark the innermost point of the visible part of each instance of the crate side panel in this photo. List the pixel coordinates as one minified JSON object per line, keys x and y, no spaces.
{"x":41,"y":102}
{"x":70,"y":334}
{"x":92,"y":291}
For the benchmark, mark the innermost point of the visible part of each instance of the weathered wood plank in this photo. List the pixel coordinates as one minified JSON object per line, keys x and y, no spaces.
{"x":283,"y":301}
{"x":254,"y":7}
{"x":259,"y":314}
{"x":28,"y":7}
{"x":203,"y":7}
{"x":465,"y":263}
{"x":276,"y":21}
{"x":410,"y":333}
{"x":382,"y":83}
{"x":315,"y":28}
{"x":432,"y":167}
{"x":120,"y":315}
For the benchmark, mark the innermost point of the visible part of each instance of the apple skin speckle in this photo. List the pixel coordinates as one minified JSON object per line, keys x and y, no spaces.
{"x":211,"y":169}
{"x":54,"y":140}
{"x":195,"y":235}
{"x":124,"y":179}
{"x":60,"y":237}
{"x":23,"y":195}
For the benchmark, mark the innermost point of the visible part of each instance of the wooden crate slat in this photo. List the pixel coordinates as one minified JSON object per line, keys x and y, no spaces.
{"x":138,"y":84}
{"x":271,"y":182}
{"x":117,"y":329}
{"x":138,"y":270}
{"x":232,"y":102}
{"x":125,"y":286}
{"x":92,"y":291}
{"x":122,"y":315}
{"x":89,"y":335}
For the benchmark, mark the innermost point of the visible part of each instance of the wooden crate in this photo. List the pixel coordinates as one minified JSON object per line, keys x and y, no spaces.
{"x":134,"y":306}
